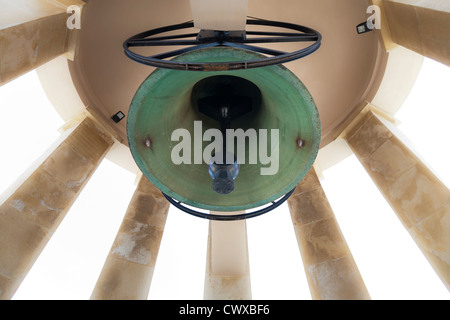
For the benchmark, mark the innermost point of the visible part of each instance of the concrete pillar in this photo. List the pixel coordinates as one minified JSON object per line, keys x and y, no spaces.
{"x":128,"y":270}
{"x":219,"y":15}
{"x":32,"y":209}
{"x":33,"y":33}
{"x":418,"y":197}
{"x":420,"y":25}
{"x":227,"y":266}
{"x":329,"y":265}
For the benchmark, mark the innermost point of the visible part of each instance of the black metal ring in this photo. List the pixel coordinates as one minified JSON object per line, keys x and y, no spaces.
{"x":145,"y":39}
{"x":217,"y":217}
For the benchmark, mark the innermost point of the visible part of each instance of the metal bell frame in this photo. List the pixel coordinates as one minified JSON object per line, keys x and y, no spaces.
{"x":233,"y":39}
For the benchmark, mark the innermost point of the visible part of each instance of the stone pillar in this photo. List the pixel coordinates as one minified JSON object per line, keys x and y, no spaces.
{"x":421,"y":25}
{"x":418,"y":197}
{"x":32,"y":209}
{"x":33,"y":33}
{"x":329,"y":265}
{"x":227,"y":266}
{"x":128,"y":270}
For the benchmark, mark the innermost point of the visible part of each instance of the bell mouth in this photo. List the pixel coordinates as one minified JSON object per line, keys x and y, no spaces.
{"x":164,"y":104}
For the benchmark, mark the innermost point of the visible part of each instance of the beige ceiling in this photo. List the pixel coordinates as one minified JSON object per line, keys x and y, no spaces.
{"x":341,"y":75}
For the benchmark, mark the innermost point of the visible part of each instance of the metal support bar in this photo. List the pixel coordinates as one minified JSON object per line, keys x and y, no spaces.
{"x":209,"y":38}
{"x":217,"y":217}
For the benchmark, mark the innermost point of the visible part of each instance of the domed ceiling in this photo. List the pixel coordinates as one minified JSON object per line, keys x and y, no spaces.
{"x":341,"y":75}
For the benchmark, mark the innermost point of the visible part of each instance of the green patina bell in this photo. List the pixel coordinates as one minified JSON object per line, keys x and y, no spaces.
{"x":268,"y":99}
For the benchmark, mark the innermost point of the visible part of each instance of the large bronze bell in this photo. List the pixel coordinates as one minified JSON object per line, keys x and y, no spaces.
{"x":269,"y":100}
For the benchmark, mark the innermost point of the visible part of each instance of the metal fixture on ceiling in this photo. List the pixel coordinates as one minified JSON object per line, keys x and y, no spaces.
{"x":233,"y":39}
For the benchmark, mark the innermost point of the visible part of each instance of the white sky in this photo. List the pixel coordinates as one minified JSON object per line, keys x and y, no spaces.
{"x":390,"y":263}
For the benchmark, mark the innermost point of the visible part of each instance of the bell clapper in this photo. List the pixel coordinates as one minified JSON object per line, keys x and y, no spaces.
{"x":224,"y":174}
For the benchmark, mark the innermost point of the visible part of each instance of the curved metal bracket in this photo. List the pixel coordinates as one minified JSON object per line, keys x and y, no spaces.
{"x":216,"y":217}
{"x":209,"y":38}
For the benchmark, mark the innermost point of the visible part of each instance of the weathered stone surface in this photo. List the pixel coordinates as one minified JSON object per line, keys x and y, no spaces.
{"x":33,"y":33}
{"x":313,"y":205}
{"x":31,"y":212}
{"x":123,"y":280}
{"x":29,"y":45}
{"x":128,"y":270}
{"x":77,"y":167}
{"x":330,"y":269}
{"x":422,"y":26}
{"x":137,"y":242}
{"x":337,"y":279}
{"x":418,"y":197}
{"x":321,"y":241}
{"x":221,"y":287}
{"x":21,"y":240}
{"x":369,"y":140}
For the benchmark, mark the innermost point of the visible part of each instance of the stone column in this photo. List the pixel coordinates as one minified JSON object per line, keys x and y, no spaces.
{"x":33,"y":33}
{"x":32,"y":209}
{"x":329,"y":265}
{"x":128,"y":270}
{"x":420,"y":25}
{"x":227,"y":266}
{"x":418,"y":197}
